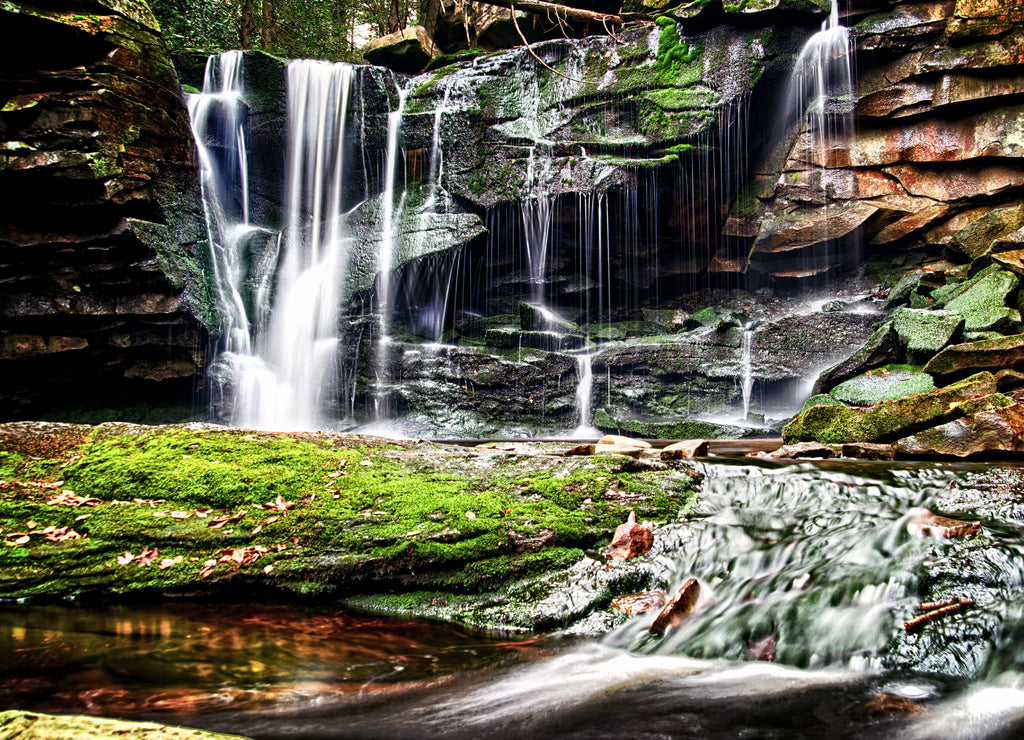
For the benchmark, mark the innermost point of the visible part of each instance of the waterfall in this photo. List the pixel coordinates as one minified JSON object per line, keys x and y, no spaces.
{"x":391,"y":218}
{"x":746,"y":361}
{"x":584,"y":392}
{"x":277,"y":360}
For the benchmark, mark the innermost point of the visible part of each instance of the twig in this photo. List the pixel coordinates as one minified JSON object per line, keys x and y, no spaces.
{"x":534,"y":54}
{"x":918,"y":622}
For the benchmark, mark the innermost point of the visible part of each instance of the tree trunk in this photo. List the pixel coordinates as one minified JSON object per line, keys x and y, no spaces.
{"x":267,"y":32}
{"x":247,"y":27}
{"x":395,"y":16}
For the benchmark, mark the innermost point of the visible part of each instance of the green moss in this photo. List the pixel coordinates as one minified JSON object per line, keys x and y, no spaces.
{"x":332,"y":512}
{"x":674,"y":54}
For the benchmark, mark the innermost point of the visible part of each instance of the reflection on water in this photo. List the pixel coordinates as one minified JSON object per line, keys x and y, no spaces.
{"x":180,"y":659}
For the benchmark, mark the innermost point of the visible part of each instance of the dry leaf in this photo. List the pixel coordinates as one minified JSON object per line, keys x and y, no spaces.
{"x":257,"y":529}
{"x":220,"y":521}
{"x":168,"y":562}
{"x":23,"y":540}
{"x":180,"y":515}
{"x":31,"y":524}
{"x":470,"y":515}
{"x":125,"y":559}
{"x":146,"y":557}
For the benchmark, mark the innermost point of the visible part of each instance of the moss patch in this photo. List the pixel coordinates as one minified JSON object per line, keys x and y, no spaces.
{"x":303,"y":514}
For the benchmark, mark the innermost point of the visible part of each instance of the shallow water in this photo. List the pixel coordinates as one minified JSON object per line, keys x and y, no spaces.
{"x":814,"y":563}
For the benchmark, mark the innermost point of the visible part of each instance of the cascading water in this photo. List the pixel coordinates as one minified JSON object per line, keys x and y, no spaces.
{"x":278,"y":357}
{"x":390,"y":219}
{"x":584,"y":394}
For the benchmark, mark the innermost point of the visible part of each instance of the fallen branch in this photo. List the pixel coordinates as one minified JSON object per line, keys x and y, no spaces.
{"x":955,"y":606}
{"x":534,"y":54}
{"x":560,"y":11}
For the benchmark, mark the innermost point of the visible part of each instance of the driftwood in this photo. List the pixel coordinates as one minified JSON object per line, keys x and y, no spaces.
{"x":560,"y":11}
{"x":944,"y":608}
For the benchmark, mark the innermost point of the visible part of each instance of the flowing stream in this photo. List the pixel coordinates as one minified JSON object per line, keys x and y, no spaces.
{"x":814,"y":566}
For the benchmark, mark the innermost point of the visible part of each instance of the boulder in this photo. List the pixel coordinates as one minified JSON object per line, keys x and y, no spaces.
{"x":407,"y":51}
{"x":868,"y":451}
{"x":616,"y":439}
{"x":925,"y":523}
{"x":984,"y":17}
{"x":548,"y":341}
{"x":803,"y":450}
{"x":882,"y":348}
{"x":924,"y":332}
{"x":998,"y":431}
{"x":684,"y":449}
{"x":983,"y":304}
{"x":884,"y":384}
{"x":988,"y":354}
{"x":886,"y":421}
{"x":978,"y":238}
{"x":534,"y":317}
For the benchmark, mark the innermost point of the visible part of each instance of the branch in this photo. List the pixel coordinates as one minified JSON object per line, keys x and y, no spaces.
{"x":539,"y":6}
{"x":534,"y":54}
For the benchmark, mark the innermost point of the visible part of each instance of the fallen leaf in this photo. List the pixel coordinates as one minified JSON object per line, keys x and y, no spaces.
{"x":146,"y":557}
{"x":23,"y":540}
{"x":180,"y":515}
{"x":257,"y":529}
{"x":125,"y":559}
{"x":470,"y":515}
{"x":31,"y":524}
{"x":203,"y":513}
{"x":207,"y":568}
{"x":271,"y":519}
{"x":268,"y":569}
{"x":220,"y":521}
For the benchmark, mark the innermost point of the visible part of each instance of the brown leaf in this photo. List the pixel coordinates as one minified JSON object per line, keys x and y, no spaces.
{"x":146,"y":557}
{"x":168,"y":562}
{"x":219,"y":521}
{"x":208,"y":568}
{"x":180,"y":515}
{"x":23,"y":540}
{"x":630,"y":539}
{"x":125,"y":559}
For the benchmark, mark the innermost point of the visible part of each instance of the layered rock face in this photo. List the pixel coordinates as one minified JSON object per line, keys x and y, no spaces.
{"x":103,"y":298}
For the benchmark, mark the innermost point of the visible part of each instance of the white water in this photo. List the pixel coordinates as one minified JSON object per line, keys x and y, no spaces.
{"x":584,"y":395}
{"x":391,"y":217}
{"x":746,"y":359}
{"x":279,"y":352}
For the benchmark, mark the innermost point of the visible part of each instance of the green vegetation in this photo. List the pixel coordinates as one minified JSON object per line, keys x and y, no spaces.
{"x":674,"y":54}
{"x":308,"y":515}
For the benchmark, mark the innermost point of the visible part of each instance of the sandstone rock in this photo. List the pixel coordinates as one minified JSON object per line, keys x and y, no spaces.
{"x":805,"y":227}
{"x":989,"y":354}
{"x":803,"y":450}
{"x":924,"y":523}
{"x":640,"y":602}
{"x":977,"y":239}
{"x":962,"y":88}
{"x":886,"y":421}
{"x":678,"y":608}
{"x":29,"y":725}
{"x":617,"y":439}
{"x":868,"y":451}
{"x":1007,"y":380}
{"x":407,"y":51}
{"x":883,"y":384}
{"x":984,"y":17}
{"x":998,"y":431}
{"x":895,"y":99}
{"x":16,"y":346}
{"x":630,"y":540}
{"x":892,"y":704}
{"x":762,"y":648}
{"x":684,"y":449}
{"x":924,"y":332}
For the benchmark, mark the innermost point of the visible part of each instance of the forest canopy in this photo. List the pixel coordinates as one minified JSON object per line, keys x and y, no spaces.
{"x":321,"y":29}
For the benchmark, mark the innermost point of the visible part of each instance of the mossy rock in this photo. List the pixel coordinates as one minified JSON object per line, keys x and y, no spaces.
{"x":667,"y":429}
{"x":983,"y":304}
{"x":38,"y":726}
{"x":886,"y":421}
{"x":924,"y":332}
{"x":320,"y":515}
{"x":993,"y":354}
{"x":884,"y":384}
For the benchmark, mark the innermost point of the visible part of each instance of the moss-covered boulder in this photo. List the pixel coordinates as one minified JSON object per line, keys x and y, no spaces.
{"x":883,"y":347}
{"x":889,"y":420}
{"x":120,"y":511}
{"x":407,"y":51}
{"x":999,"y":353}
{"x":982,"y":302}
{"x":925,"y":332}
{"x":884,"y":384}
{"x":978,"y":238}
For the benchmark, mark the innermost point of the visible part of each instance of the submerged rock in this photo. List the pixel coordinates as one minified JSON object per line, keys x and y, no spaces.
{"x":803,"y":450}
{"x":639,"y":603}
{"x":926,"y":524}
{"x":678,"y":608}
{"x":37,"y":726}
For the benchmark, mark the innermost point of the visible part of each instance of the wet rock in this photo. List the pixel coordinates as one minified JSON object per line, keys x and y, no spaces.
{"x":889,"y":420}
{"x":678,"y":608}
{"x":616,"y":439}
{"x":630,"y":540}
{"x":868,"y":451}
{"x":924,"y":332}
{"x":984,"y":18}
{"x":407,"y":51}
{"x":882,"y":348}
{"x":999,"y":430}
{"x":39,"y":726}
{"x":803,"y":450}
{"x":684,"y":449}
{"x":762,"y":648}
{"x":537,"y":318}
{"x":1012,"y":260}
{"x":883,"y":384}
{"x":1000,"y":353}
{"x":548,"y":341}
{"x":924,"y":523}
{"x":639,"y":603}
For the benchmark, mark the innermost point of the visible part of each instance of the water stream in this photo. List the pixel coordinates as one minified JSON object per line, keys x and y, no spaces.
{"x":807,"y":571}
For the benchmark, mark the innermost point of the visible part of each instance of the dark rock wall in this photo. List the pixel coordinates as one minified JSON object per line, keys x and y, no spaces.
{"x":103,"y":297}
